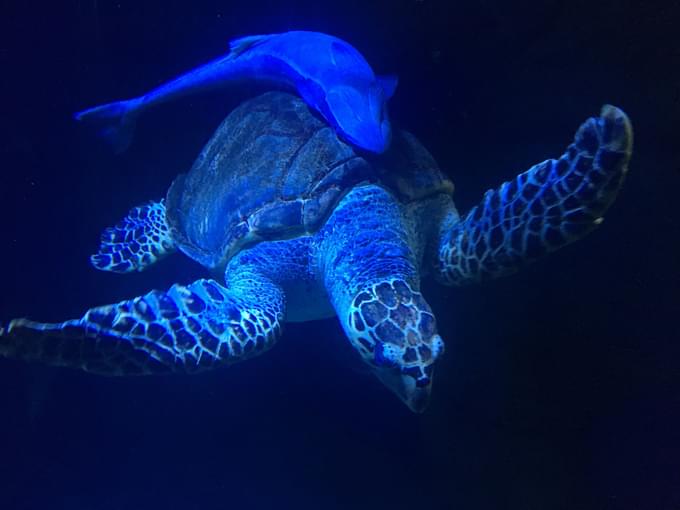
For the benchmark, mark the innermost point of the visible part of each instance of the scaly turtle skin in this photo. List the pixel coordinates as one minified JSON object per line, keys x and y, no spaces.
{"x":304,"y":227}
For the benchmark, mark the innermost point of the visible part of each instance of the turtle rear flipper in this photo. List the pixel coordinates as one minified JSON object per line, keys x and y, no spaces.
{"x":186,"y":329}
{"x":136,"y":242}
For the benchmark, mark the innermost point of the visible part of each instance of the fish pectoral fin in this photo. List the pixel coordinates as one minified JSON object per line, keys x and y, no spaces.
{"x":388,"y":83}
{"x":345,"y":56}
{"x":243,"y":44}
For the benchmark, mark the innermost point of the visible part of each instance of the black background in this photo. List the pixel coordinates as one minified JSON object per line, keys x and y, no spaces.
{"x":560,"y":387}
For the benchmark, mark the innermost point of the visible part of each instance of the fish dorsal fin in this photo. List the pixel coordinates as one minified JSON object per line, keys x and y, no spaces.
{"x":388,"y":83}
{"x":243,"y":44}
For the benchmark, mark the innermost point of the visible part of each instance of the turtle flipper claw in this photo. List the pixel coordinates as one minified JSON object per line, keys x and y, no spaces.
{"x":137,"y":241}
{"x":617,"y":131}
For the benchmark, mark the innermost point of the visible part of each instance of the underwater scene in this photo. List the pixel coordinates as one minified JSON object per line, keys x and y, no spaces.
{"x":340,"y":255}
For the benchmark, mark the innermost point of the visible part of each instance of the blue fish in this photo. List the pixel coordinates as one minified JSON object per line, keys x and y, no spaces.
{"x":330,"y":75}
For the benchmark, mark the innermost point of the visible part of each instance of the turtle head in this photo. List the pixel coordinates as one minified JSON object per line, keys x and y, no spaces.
{"x":361,"y":117}
{"x":394,"y":331}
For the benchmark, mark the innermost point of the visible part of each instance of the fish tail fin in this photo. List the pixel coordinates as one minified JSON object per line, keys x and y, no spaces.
{"x":115,"y":122}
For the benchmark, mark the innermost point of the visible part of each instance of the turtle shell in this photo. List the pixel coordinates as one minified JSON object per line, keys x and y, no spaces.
{"x":273,"y":170}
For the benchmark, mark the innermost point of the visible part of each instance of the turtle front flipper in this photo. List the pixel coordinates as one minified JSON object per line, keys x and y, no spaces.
{"x":136,"y":242}
{"x":186,"y":329}
{"x":549,"y":206}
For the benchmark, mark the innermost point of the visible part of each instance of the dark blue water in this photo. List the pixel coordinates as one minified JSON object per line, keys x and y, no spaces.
{"x":560,"y":385}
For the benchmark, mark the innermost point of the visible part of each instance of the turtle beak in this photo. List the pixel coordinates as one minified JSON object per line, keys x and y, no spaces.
{"x":411,"y":381}
{"x":415,"y":394}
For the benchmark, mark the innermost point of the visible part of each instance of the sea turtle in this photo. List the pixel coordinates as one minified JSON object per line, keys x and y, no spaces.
{"x":301,"y":226}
